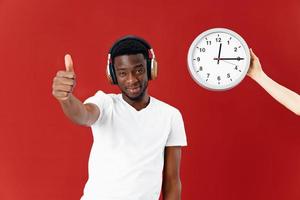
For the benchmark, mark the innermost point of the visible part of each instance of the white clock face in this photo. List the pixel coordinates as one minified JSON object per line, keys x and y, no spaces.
{"x":218,"y":59}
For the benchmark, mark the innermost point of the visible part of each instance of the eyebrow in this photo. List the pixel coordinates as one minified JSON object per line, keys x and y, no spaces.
{"x":136,"y":66}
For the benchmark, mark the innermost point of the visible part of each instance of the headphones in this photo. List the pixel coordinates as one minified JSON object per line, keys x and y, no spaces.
{"x":151,"y":60}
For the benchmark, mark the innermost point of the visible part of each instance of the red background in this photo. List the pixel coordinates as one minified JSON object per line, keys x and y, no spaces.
{"x":242,"y":143}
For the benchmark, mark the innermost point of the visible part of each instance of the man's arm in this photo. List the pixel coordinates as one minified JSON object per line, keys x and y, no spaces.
{"x":283,"y":95}
{"x":74,"y":109}
{"x":171,"y":186}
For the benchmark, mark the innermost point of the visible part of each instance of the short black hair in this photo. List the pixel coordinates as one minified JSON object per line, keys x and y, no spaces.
{"x":129,"y":46}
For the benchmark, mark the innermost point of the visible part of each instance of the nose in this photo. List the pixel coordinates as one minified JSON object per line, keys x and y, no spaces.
{"x":131,"y":78}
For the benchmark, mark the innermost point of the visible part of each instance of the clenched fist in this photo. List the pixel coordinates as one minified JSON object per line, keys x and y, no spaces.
{"x":64,"y":81}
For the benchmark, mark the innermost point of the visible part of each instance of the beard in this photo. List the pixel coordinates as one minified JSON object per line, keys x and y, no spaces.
{"x":139,"y":96}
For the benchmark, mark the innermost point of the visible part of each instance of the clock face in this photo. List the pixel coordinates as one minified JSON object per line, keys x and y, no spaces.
{"x":218,"y":59}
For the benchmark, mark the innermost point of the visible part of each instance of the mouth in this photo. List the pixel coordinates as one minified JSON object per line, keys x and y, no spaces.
{"x":134,"y":90}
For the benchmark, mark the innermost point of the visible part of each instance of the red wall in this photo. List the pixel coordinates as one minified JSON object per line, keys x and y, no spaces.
{"x":242,"y":144}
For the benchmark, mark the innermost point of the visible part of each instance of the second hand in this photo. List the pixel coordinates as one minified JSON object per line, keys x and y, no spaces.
{"x":229,"y":62}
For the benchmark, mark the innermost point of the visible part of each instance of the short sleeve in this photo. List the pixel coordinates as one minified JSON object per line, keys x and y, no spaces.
{"x":103,"y":102}
{"x":177,"y":136}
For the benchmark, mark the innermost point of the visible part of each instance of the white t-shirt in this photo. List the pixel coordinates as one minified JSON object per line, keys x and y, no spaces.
{"x":127,"y":156}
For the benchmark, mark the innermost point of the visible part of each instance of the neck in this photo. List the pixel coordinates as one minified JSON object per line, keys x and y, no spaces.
{"x":139,"y":103}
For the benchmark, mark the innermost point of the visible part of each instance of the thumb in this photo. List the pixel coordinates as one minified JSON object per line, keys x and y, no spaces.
{"x":69,"y":63}
{"x":252,"y":53}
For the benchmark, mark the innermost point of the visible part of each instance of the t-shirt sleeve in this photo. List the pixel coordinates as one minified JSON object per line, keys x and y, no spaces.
{"x":177,"y":136}
{"x":103,"y":102}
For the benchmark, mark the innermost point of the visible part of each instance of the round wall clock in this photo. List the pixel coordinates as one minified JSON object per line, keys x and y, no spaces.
{"x":218,"y":59}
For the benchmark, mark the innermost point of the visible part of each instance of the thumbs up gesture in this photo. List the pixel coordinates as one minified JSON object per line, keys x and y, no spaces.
{"x":64,"y":81}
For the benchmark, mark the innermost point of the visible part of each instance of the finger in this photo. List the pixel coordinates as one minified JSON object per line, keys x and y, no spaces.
{"x":252,"y":54}
{"x":64,"y":74}
{"x":63,"y":88}
{"x":69,"y":63}
{"x":66,"y":81}
{"x":61,"y":94}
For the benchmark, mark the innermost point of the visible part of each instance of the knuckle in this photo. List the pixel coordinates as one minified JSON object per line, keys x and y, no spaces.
{"x":56,"y":79}
{"x":71,"y":83}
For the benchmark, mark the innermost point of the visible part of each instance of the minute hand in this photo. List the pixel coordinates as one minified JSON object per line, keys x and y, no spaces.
{"x":238,"y":58}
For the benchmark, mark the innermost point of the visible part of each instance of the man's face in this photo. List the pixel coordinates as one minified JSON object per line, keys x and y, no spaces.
{"x":131,"y":75}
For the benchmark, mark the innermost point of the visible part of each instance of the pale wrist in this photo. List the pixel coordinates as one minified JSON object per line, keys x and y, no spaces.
{"x":259,"y":76}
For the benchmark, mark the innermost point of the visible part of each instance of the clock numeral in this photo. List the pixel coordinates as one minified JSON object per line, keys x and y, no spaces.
{"x":236,"y":68}
{"x":202,"y":49}
{"x":198,"y":59}
{"x":208,"y":42}
{"x":219,"y":78}
{"x":228,"y":75}
{"x":208,"y":74}
{"x":228,"y":42}
{"x":218,"y":39}
{"x":200,"y":69}
{"x":235,"y":49}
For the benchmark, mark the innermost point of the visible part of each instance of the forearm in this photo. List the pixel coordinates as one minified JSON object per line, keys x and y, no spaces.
{"x":75,"y":110}
{"x":171,"y":190}
{"x":283,"y":95}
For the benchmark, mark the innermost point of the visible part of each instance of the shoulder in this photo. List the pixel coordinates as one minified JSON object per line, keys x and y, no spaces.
{"x":101,"y":98}
{"x":165,"y":107}
{"x":101,"y":94}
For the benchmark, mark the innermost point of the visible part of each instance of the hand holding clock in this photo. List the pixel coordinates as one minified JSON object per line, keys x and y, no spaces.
{"x":255,"y":68}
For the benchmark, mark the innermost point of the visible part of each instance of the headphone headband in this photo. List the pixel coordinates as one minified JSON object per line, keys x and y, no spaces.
{"x":129,"y":37}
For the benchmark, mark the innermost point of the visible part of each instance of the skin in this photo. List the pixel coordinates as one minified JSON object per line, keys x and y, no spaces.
{"x":133,"y":83}
{"x":171,"y":186}
{"x":283,"y":95}
{"x":132,"y":79}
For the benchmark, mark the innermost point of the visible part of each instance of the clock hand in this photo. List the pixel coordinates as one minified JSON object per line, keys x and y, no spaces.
{"x":238,"y":58}
{"x":229,"y":62}
{"x":219,"y":53}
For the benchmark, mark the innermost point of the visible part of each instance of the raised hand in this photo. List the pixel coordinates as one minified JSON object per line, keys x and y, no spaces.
{"x":64,"y":81}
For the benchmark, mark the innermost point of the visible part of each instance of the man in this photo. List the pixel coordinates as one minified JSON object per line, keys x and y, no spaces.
{"x":137,"y":138}
{"x":283,"y":95}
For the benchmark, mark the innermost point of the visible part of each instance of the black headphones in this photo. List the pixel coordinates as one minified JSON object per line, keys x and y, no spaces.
{"x":151,"y":60}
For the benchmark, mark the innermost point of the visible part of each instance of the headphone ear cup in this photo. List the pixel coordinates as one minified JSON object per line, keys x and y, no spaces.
{"x":152,"y":71}
{"x":153,"y":68}
{"x":109,"y":72}
{"x":149,"y":69}
{"x":112,"y":74}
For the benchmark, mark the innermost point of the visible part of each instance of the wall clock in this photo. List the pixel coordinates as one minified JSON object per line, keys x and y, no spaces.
{"x":218,"y":59}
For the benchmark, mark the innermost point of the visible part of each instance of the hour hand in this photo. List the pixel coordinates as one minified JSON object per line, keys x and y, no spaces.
{"x":237,"y":58}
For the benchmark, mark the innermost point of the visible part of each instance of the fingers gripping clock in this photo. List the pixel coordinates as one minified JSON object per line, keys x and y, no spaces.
{"x":218,"y":59}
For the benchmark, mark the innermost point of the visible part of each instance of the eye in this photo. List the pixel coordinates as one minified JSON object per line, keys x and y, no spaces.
{"x":140,"y":71}
{"x":122,"y":74}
